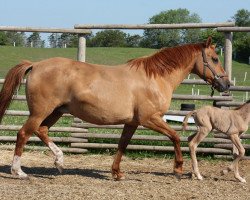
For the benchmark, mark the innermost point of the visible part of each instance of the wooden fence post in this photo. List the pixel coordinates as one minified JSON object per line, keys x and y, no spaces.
{"x":228,"y":54}
{"x":81,"y":54}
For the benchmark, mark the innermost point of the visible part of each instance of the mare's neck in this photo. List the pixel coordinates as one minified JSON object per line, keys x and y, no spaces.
{"x":177,"y":76}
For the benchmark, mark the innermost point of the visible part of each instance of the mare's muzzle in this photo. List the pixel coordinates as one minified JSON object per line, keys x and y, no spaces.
{"x":221,"y":84}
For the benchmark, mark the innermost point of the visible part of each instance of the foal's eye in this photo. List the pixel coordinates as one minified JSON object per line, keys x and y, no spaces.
{"x":215,"y":60}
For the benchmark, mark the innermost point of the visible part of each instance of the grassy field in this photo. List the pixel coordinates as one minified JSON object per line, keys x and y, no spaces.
{"x":11,"y":56}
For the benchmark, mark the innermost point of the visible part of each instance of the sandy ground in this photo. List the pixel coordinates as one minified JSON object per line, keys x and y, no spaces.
{"x":88,"y":177}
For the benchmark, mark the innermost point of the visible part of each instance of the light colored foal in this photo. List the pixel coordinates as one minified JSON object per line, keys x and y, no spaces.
{"x":230,"y":122}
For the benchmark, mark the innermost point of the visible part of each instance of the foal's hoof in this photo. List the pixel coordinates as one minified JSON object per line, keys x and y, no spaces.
{"x":224,"y":172}
{"x":59,"y":166}
{"x":242,"y":180}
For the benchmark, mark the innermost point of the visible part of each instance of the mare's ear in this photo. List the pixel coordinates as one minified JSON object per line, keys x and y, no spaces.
{"x":208,"y":42}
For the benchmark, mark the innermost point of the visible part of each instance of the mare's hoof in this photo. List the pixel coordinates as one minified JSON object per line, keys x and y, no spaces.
{"x":178,"y":176}
{"x":20,"y":174}
{"x":118,"y":176}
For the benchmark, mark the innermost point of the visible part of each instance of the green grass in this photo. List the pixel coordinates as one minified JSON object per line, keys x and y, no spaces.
{"x":10,"y":56}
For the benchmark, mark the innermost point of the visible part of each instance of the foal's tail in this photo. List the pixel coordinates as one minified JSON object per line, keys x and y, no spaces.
{"x":185,"y":124}
{"x":12,"y":81}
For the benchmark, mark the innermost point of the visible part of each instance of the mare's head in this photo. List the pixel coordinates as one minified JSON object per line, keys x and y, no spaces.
{"x":209,"y":68}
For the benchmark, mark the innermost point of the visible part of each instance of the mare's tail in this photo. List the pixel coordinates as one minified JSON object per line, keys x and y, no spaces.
{"x":185,"y":124}
{"x":12,"y":81}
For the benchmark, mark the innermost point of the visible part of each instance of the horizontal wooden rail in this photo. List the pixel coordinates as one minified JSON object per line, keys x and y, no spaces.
{"x":240,"y":88}
{"x":233,"y":29}
{"x":39,"y":148}
{"x":36,"y":139}
{"x":149,"y":148}
{"x":25,"y":113}
{"x":88,"y":125}
{"x":221,"y":135}
{"x":52,"y":129}
{"x":43,"y":30}
{"x":228,"y":103}
{"x":175,"y":96}
{"x":144,"y":137}
{"x":202,"y":97}
{"x":153,"y":26}
{"x":230,"y":146}
{"x":230,"y":157}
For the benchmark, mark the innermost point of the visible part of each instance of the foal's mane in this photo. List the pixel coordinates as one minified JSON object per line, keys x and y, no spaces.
{"x":247,"y":102}
{"x":167,"y":59}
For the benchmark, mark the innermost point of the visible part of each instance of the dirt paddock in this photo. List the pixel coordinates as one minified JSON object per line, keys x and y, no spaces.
{"x":88,"y":177}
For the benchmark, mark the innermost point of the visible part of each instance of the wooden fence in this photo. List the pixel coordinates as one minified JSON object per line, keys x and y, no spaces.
{"x":82,"y":134}
{"x":81,"y":35}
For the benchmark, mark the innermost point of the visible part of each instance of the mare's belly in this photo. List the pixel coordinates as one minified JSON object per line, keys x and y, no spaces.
{"x":103,"y":114}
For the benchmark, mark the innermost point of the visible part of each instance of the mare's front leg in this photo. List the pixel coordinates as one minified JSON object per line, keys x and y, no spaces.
{"x":194,"y":140}
{"x":127,"y":134}
{"x":156,"y":123}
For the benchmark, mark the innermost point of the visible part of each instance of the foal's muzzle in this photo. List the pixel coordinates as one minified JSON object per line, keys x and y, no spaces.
{"x":221,"y":84}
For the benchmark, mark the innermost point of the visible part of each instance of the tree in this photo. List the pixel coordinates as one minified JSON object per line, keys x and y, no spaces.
{"x":218,"y":37}
{"x":109,"y":38}
{"x":242,"y":18}
{"x":133,"y":40}
{"x":64,"y":40}
{"x":241,"y":40}
{"x":3,"y":38}
{"x":54,"y":40}
{"x":15,"y":38}
{"x":34,"y":40}
{"x":158,"y":38}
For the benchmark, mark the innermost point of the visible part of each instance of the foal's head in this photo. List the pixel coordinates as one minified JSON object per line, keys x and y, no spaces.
{"x":209,"y":68}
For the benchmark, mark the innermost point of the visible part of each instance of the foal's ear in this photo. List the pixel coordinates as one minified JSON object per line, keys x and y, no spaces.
{"x":208,"y":42}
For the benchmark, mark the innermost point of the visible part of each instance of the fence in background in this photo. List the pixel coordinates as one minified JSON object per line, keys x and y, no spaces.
{"x":81,"y":35}
{"x":81,"y":132}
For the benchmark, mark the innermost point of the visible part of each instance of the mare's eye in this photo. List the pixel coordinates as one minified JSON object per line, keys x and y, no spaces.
{"x":215,"y":60}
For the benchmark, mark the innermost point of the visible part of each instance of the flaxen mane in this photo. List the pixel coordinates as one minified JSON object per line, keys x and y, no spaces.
{"x":167,"y":59}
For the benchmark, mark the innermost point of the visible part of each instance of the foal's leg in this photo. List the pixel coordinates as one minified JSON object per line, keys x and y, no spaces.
{"x":236,"y":141}
{"x":23,"y":135}
{"x":42,"y":133}
{"x":156,"y":123}
{"x":194,"y":141}
{"x":127,"y":134}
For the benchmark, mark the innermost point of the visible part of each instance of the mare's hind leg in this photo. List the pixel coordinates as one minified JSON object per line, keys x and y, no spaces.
{"x":194,"y":141}
{"x":42,"y":133}
{"x":23,"y":135}
{"x":235,"y":165}
{"x":127,"y":134}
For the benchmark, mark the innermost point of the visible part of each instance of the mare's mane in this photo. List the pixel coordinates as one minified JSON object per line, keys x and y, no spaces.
{"x":167,"y":59}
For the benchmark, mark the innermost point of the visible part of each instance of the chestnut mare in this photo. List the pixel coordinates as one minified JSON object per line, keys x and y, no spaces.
{"x":136,"y":93}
